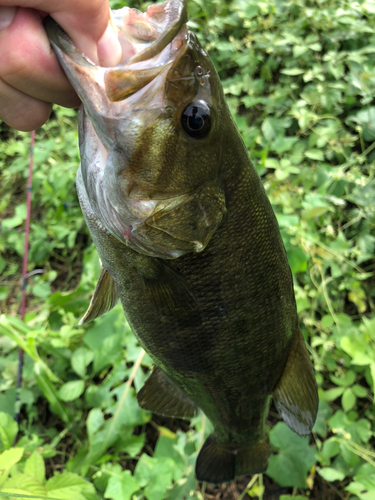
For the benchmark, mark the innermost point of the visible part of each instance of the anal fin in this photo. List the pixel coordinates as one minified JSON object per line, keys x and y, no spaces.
{"x":104,"y":299}
{"x":296,"y":395}
{"x":161,"y":396}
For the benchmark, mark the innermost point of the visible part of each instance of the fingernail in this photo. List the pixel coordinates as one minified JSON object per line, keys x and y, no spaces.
{"x":6,"y":16}
{"x":109,"y":48}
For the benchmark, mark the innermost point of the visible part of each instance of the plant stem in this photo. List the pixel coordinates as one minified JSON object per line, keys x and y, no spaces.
{"x":250,"y":484}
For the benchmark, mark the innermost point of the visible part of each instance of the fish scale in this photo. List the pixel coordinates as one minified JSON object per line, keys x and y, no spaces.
{"x":188,"y":242}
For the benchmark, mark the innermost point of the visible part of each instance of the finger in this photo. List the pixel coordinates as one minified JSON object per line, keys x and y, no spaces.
{"x":28,"y":64}
{"x":86,"y":22}
{"x":21,"y":111}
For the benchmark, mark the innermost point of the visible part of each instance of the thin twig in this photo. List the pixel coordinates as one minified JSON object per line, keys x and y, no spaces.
{"x":251,"y":483}
{"x":203,"y":489}
{"x":261,"y":486}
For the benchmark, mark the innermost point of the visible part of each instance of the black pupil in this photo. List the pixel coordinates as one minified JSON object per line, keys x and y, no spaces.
{"x":196,"y":119}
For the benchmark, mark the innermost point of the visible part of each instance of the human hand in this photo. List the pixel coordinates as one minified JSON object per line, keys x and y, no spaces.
{"x":30,"y":75}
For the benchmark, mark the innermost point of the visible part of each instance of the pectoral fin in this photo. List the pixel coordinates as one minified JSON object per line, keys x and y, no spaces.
{"x":104,"y":299}
{"x":296,"y":396}
{"x":161,"y":396}
{"x":170,"y":292}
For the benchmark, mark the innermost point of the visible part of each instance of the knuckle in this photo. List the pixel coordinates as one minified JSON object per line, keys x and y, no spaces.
{"x":32,"y":116}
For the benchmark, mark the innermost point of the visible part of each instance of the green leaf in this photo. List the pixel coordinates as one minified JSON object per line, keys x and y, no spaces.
{"x":347,"y":379}
{"x":68,"y":486}
{"x":122,"y":487}
{"x":330,"y":474}
{"x":294,"y":459}
{"x":71,"y":390}
{"x":80,"y":360}
{"x":130,"y":444}
{"x":359,"y":391}
{"x":94,"y":421}
{"x":330,"y":449}
{"x":41,"y":290}
{"x":332,"y":394}
{"x":34,"y":466}
{"x":348,"y":400}
{"x":314,"y":212}
{"x":357,"y":349}
{"x":315,"y":154}
{"x":17,"y":220}
{"x":155,"y":474}
{"x":7,"y":459}
{"x":8,"y":430}
{"x":22,"y":483}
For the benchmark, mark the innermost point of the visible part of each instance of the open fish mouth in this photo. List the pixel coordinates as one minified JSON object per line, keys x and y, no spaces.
{"x":149,"y":43}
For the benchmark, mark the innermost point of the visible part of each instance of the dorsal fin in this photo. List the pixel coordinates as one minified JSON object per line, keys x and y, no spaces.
{"x":104,"y":299}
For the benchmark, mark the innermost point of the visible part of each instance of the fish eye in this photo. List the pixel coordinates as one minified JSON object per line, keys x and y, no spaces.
{"x":196,"y":119}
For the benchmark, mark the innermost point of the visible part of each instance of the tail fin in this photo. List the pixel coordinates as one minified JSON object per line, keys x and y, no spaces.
{"x":221,"y":463}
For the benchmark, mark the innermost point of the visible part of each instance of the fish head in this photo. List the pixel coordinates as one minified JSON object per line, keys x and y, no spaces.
{"x":151,"y":132}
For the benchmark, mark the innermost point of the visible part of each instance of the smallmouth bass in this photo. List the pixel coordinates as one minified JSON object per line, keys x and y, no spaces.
{"x":188,"y":240}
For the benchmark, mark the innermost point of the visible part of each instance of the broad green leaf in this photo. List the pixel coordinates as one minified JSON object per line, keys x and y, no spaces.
{"x":68,"y":486}
{"x":34,"y":466}
{"x":359,"y":391}
{"x":348,"y":400}
{"x":330,"y":449}
{"x":71,"y":390}
{"x":106,"y":471}
{"x":130,"y":444}
{"x":7,"y":459}
{"x":346,"y":380}
{"x":357,"y":349}
{"x":155,"y":475}
{"x":81,"y":358}
{"x":294,"y":459}
{"x":94,"y":421}
{"x":332,"y":394}
{"x":122,"y":487}
{"x":330,"y":474}
{"x":23,"y":483}
{"x":8,"y":430}
{"x":41,"y":290}
{"x":315,"y":154}
{"x":314,"y":212}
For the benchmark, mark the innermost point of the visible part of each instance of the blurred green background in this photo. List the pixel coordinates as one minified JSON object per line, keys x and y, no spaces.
{"x":299,"y":77}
